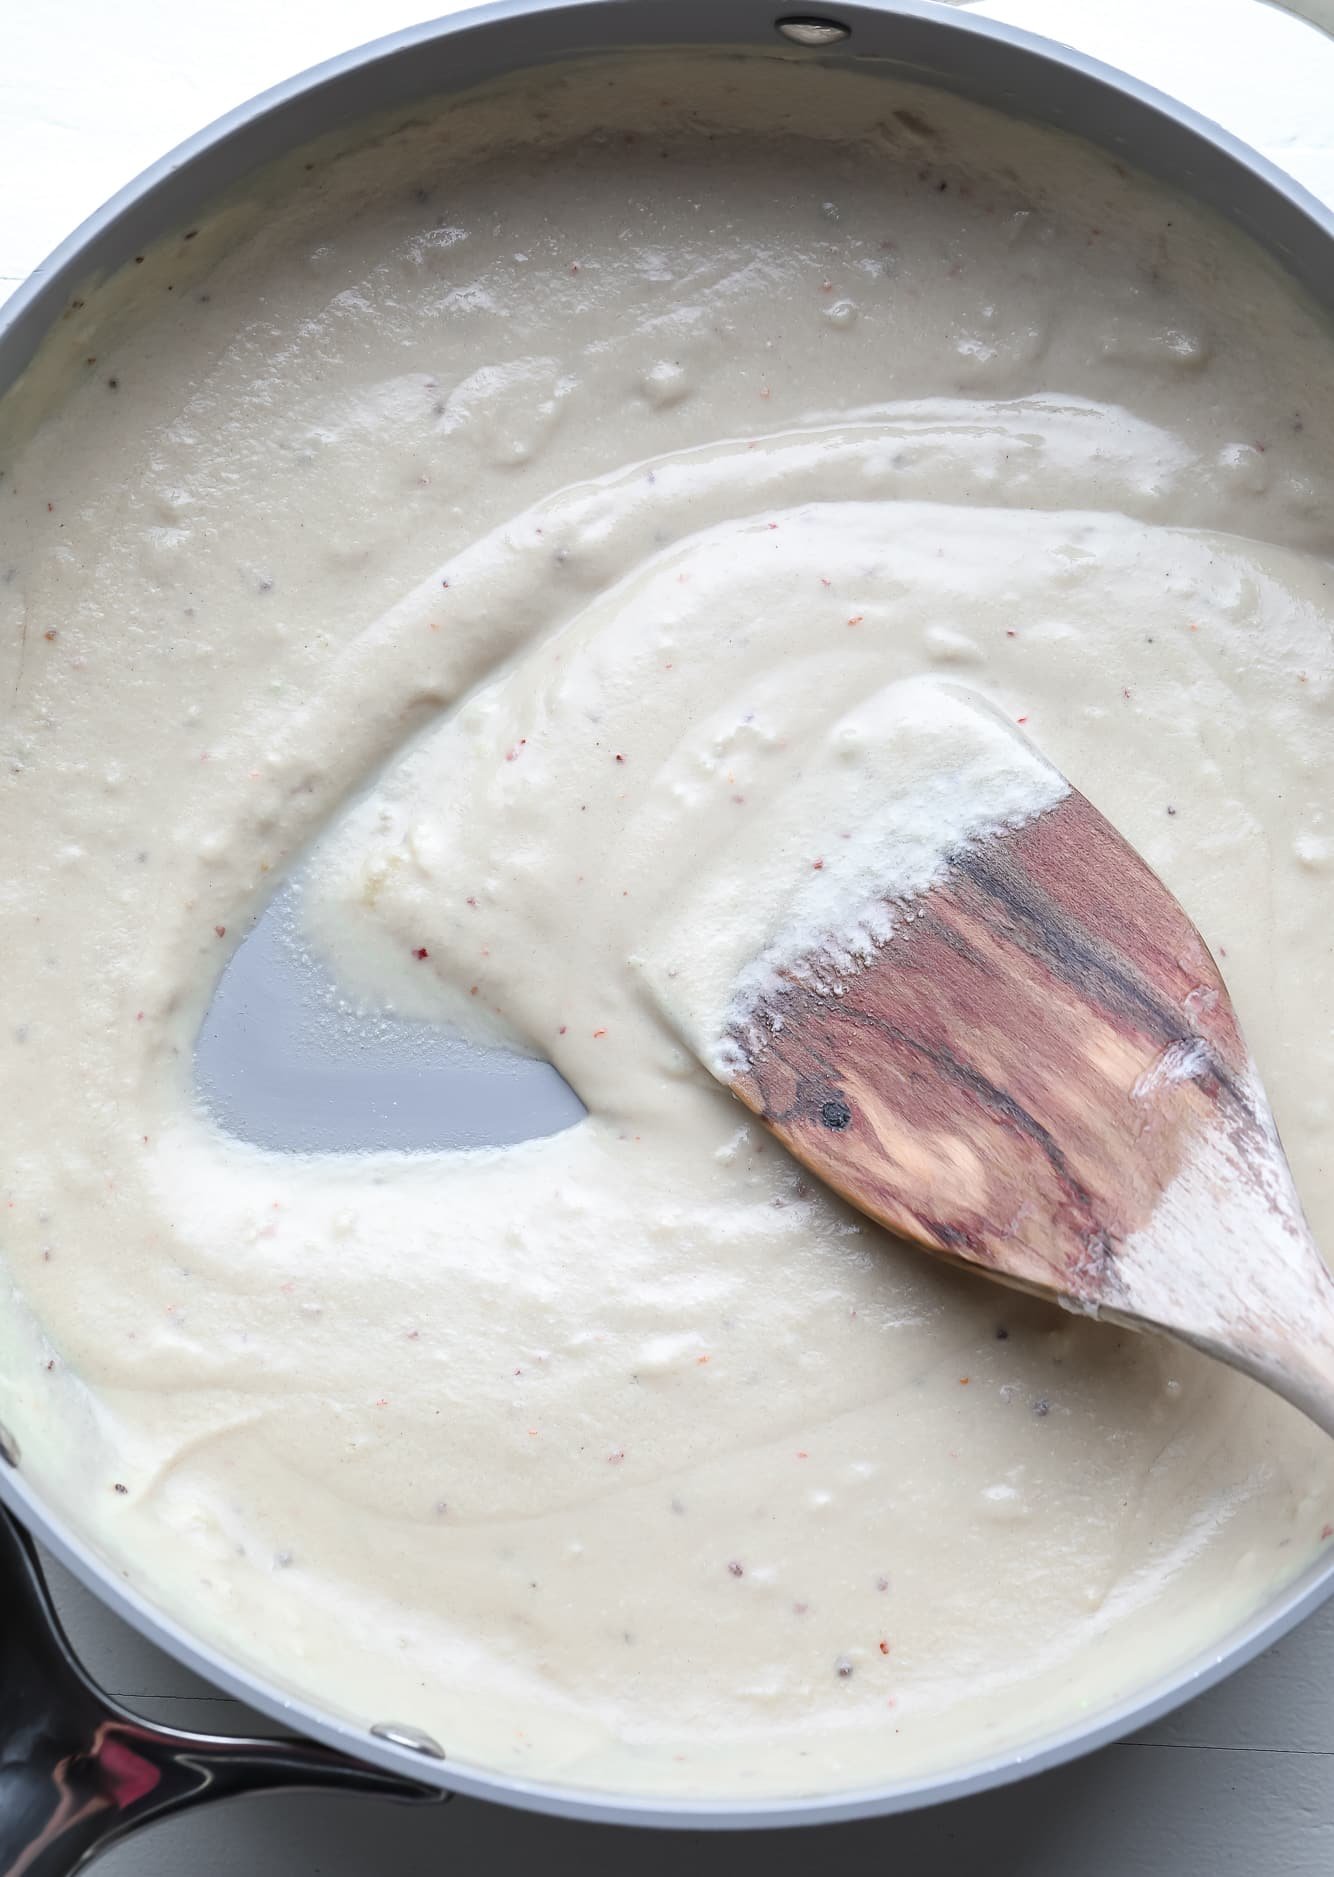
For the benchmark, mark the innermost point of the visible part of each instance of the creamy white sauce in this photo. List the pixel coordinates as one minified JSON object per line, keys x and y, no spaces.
{"x":826,"y":865}
{"x":501,"y":527}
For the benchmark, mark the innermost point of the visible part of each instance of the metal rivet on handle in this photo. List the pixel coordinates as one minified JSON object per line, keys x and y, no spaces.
{"x":413,"y":1738}
{"x":9,"y":1447}
{"x":813,"y":32}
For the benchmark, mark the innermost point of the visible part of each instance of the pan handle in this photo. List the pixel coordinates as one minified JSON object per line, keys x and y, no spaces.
{"x":78,"y":1771}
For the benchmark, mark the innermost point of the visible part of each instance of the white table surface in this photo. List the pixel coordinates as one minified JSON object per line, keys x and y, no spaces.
{"x":1238,"y":1784}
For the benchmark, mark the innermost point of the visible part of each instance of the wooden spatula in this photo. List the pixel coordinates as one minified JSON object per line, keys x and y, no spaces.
{"x":1035,"y":1069}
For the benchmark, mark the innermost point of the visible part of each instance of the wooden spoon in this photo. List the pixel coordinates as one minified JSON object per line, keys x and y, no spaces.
{"x":1039,"y":1074}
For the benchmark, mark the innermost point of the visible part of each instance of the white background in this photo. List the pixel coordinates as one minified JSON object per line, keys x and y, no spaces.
{"x":1239,"y":1784}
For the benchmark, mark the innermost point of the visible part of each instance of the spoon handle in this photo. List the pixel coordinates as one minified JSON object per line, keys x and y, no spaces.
{"x":1296,"y":1361}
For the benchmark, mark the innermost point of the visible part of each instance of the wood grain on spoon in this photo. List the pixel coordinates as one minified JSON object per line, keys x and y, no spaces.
{"x":1040,"y":1073}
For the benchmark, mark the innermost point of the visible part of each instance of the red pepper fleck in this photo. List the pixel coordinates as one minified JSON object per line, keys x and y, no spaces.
{"x":824,"y":582}
{"x":856,"y":619}
{"x":802,"y":1454}
{"x":50,"y":636}
{"x":619,"y":757}
{"x":1010,"y":633}
{"x":471,"y":901}
{"x":472,"y":990}
{"x":817,"y":866}
{"x":884,"y":1647}
{"x":615,"y":1457}
{"x":599,"y":1032}
{"x":421,"y":952}
{"x":221,"y":930}
{"x":736,"y":1569}
{"x":1326,"y":1531}
{"x":1021,"y":719}
{"x":964,"y":1380}
{"x":562,"y":1029}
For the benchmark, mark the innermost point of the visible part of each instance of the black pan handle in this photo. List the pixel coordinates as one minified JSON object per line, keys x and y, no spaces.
{"x":78,"y":1771}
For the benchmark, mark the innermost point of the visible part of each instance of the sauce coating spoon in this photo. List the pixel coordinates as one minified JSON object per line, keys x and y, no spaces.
{"x":1035,"y":1070}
